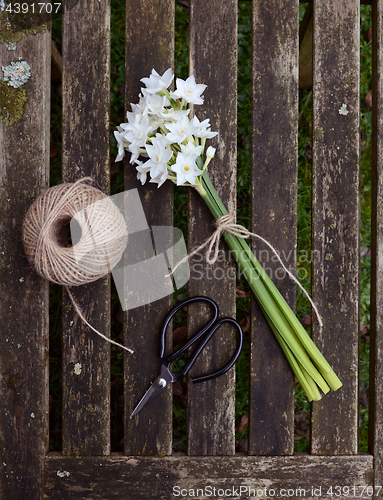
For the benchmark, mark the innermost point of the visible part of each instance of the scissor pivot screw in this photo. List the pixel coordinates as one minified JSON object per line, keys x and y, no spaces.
{"x":161,"y":382}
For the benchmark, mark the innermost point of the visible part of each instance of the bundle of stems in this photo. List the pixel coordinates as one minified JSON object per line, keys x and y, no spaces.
{"x":308,"y":364}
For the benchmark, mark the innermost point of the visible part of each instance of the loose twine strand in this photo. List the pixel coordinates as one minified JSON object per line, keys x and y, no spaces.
{"x":226,"y":223}
{"x":78,"y":310}
{"x":103,"y":238}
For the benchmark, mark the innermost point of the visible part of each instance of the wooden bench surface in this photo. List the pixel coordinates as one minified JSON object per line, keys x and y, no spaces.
{"x":146,"y":469}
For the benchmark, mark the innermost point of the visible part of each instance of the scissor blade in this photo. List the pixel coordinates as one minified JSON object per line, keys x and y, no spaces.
{"x":154,"y":390}
{"x":150,"y":394}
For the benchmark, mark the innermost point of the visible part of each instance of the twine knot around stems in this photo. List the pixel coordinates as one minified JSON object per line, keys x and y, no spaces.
{"x":226,"y":223}
{"x":73,"y":234}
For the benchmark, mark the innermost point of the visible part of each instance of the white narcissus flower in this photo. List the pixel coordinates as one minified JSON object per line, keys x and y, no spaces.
{"x":171,"y":114}
{"x":137,"y":108}
{"x":121,"y":145}
{"x":150,"y":106}
{"x":202,"y":129}
{"x":191,"y":149}
{"x":135,"y":151}
{"x":186,"y":169}
{"x":137,"y":132}
{"x":141,"y":171}
{"x":189,"y":90}
{"x":160,"y":179}
{"x":161,"y":138}
{"x":155,"y":121}
{"x":155,"y":83}
{"x":156,"y":104}
{"x":158,"y":158}
{"x":180,"y":130}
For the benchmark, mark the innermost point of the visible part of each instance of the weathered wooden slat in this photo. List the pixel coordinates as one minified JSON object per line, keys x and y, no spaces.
{"x":376,"y":324}
{"x":24,"y":174}
{"x":213,"y":61}
{"x":86,"y":102}
{"x":274,"y":214}
{"x":150,"y":431}
{"x":137,"y":478}
{"x":335,"y":219}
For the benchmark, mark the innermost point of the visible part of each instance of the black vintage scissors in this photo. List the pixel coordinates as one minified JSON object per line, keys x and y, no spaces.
{"x":166,"y":377}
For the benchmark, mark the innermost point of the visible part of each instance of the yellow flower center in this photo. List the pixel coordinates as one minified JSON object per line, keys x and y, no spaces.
{"x":157,"y":158}
{"x":186,"y":169}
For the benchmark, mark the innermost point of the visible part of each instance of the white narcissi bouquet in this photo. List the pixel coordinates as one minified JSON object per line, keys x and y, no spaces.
{"x":160,"y":130}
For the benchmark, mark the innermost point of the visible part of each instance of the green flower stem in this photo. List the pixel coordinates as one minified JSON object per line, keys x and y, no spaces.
{"x":307,"y":383}
{"x":309,"y":366}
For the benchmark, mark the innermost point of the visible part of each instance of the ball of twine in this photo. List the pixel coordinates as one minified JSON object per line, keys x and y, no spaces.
{"x":47,"y":229}
{"x":101,"y":237}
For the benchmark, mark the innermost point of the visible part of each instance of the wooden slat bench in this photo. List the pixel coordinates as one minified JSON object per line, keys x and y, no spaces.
{"x":86,"y":469}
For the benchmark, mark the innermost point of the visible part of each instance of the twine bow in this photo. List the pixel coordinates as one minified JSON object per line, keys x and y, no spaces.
{"x":226,"y":223}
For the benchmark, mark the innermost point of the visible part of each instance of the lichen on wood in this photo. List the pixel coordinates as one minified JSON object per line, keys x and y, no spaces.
{"x":7,"y":33}
{"x":16,"y":74}
{"x":12,"y":102}
{"x":13,"y":25}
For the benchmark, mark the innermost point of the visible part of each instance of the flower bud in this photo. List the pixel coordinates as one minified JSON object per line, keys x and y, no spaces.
{"x":210,"y":152}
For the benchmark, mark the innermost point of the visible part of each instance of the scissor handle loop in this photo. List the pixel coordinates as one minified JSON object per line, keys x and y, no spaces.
{"x":206,"y":339}
{"x":205,"y":334}
{"x":195,"y":337}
